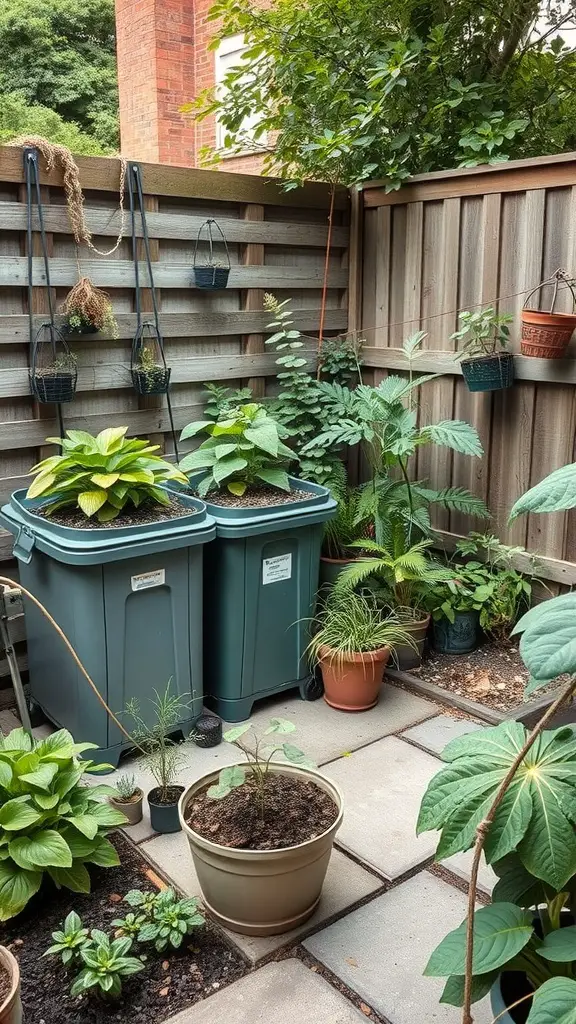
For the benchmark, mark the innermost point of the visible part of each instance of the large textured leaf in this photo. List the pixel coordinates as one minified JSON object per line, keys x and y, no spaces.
{"x":110,"y":440}
{"x":517,"y":885}
{"x":560,"y":945}
{"x":107,"y":815}
{"x":537,"y":815}
{"x":16,"y":815}
{"x":455,"y":434}
{"x":85,"y":823}
{"x":500,"y":932}
{"x":275,"y":477}
{"x":44,"y":848}
{"x":104,"y":854}
{"x":91,"y":501}
{"x":264,"y":437}
{"x":16,"y":888}
{"x":548,"y":642}
{"x":41,"y":777}
{"x":554,"y":1003}
{"x":75,"y":878}
{"x":453,"y":993}
{"x":553,"y":494}
{"x":226,"y":467}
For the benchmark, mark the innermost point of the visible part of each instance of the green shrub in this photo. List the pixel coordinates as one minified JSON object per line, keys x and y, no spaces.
{"x":50,"y":822}
{"x":102,"y":475}
{"x":241,"y":451}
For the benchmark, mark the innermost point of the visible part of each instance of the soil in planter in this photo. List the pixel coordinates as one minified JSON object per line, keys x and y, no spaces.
{"x":173,"y":794}
{"x":5,"y":983}
{"x":493,"y":675}
{"x":258,"y":498}
{"x":295,"y":810}
{"x":170,"y":982}
{"x":147,"y":512}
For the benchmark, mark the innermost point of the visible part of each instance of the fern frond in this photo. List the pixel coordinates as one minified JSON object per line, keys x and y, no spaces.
{"x":456,"y":434}
{"x":456,"y":499}
{"x":357,"y":573}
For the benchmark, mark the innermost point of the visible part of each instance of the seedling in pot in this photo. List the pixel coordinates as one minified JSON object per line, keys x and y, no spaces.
{"x":258,"y":767}
{"x":70,"y":940}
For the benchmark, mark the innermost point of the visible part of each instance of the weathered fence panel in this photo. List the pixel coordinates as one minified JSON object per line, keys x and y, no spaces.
{"x":464,"y":239}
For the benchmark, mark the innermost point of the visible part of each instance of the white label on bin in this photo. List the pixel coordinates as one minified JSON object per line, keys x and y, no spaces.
{"x":145,"y":580}
{"x":276,"y":569}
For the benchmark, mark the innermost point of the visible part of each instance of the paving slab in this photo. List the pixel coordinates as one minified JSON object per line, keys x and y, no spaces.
{"x":325,"y":733}
{"x":461,"y":865}
{"x":284,"y":993}
{"x":346,"y":884}
{"x":435,"y":733}
{"x":383,"y":785}
{"x":381,"y":949}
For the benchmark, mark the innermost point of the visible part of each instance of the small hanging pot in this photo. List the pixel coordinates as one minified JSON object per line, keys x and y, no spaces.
{"x":546,"y":334}
{"x":210,"y":272}
{"x":489,"y":373}
{"x":150,"y":375}
{"x":53,"y":375}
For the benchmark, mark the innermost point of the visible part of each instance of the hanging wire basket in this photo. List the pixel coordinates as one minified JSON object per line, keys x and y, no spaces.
{"x":546,"y":334}
{"x":211,"y":272}
{"x":150,"y":375}
{"x":53,"y":374}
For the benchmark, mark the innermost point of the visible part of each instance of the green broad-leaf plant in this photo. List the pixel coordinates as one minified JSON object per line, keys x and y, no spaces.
{"x":242,"y":451}
{"x":102,"y":475}
{"x":50,"y":822}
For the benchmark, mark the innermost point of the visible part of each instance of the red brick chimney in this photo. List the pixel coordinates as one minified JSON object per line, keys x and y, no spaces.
{"x":156,"y":76}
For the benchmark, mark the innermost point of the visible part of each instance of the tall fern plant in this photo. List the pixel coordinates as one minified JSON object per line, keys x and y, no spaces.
{"x":401,"y":578}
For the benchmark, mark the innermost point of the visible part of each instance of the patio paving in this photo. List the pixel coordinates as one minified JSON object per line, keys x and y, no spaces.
{"x":436,"y":733}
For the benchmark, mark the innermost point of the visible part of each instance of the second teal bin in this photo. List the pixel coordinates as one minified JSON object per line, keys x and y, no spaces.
{"x":260,"y":583}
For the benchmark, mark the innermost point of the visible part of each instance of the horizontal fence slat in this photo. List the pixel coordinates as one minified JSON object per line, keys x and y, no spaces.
{"x":554,"y":371}
{"x":212,"y":323}
{"x":111,"y":375}
{"x":103,"y":173}
{"x":177,"y":226}
{"x":120,"y":274}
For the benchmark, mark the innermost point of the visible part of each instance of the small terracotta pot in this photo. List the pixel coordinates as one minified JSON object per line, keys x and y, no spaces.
{"x":131,"y":808}
{"x":353,"y":682}
{"x":11,"y":1008}
{"x":546,"y":335}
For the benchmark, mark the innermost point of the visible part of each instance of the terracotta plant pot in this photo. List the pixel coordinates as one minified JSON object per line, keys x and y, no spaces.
{"x":352,"y":683}
{"x":406,"y":656}
{"x":262,"y":892}
{"x":131,"y":808}
{"x":11,"y":1008}
{"x":546,"y":335}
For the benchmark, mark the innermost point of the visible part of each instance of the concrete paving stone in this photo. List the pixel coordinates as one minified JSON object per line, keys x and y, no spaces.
{"x":325,"y":734}
{"x":282,"y":993}
{"x":461,"y":865}
{"x":346,"y":883}
{"x":383,"y":785}
{"x":8,"y":722}
{"x":381,"y":949}
{"x":435,"y":733}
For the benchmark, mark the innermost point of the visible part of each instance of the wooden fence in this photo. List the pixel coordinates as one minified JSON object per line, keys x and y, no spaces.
{"x":461,"y":240}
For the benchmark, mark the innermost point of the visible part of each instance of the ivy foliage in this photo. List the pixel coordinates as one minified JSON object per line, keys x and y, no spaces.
{"x":357,"y":89}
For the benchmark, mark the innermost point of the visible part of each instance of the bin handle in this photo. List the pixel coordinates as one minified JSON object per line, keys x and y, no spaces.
{"x":24,"y":545}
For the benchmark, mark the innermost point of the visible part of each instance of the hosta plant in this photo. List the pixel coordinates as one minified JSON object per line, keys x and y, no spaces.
{"x":532,"y":846}
{"x":51,"y":823}
{"x":102,"y":475}
{"x":242,"y":451}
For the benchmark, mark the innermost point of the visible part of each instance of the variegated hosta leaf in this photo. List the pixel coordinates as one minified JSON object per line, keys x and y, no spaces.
{"x":536,"y":817}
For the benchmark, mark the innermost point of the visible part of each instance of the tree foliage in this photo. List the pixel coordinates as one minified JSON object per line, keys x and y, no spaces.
{"x":355,"y":89}
{"x":58,"y":71}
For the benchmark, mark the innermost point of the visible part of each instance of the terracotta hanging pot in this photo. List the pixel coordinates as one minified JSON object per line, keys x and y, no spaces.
{"x":546,"y":334}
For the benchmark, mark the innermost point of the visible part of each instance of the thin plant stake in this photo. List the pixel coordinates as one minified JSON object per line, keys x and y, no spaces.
{"x":481,"y":833}
{"x":325,"y":281}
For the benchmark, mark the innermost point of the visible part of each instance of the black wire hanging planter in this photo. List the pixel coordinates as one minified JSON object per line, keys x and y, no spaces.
{"x":149,"y":370}
{"x":211,"y":272}
{"x":52,"y":375}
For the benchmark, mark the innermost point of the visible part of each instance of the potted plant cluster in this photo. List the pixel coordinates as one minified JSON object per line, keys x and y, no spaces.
{"x":261,"y":833}
{"x":262,"y":573}
{"x":162,"y":755}
{"x":352,"y":643}
{"x":546,"y":333}
{"x":88,"y":310}
{"x":342,"y":532}
{"x":100,"y":529}
{"x":128,"y":799}
{"x":486,"y":365}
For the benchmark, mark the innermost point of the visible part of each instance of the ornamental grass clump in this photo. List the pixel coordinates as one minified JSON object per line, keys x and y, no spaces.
{"x":348,"y":623}
{"x":102,"y":475}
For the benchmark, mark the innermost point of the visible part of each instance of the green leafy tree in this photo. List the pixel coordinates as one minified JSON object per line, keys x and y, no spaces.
{"x":18,"y":117}
{"x":355,"y":89}
{"x":60,"y":55}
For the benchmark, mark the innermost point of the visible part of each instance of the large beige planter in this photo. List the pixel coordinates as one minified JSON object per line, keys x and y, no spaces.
{"x":262,"y":892}
{"x":11,"y":1008}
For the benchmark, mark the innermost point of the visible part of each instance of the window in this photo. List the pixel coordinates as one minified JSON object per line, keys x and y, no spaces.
{"x":228,"y":55}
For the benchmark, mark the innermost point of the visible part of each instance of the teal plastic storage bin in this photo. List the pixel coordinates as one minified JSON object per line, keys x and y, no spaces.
{"x":129,"y":599}
{"x":261,"y":578}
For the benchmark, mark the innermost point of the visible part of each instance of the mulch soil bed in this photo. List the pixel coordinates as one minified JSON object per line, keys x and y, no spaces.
{"x":294,"y":811}
{"x":259,"y":497}
{"x":170,"y":982}
{"x":493,"y":675}
{"x":146,"y":513}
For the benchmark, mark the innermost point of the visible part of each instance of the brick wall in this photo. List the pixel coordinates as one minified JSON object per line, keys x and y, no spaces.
{"x":163,"y":63}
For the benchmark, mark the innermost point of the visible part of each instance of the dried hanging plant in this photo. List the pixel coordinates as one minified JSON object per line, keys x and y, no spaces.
{"x":88,"y":309}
